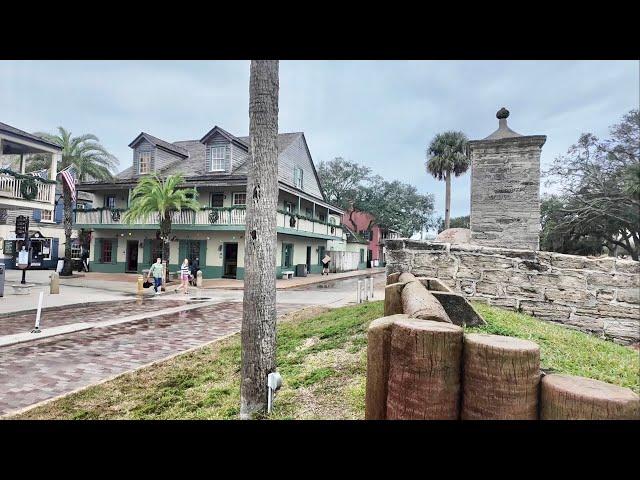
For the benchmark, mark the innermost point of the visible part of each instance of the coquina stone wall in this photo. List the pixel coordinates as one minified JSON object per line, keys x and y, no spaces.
{"x":596,"y":295}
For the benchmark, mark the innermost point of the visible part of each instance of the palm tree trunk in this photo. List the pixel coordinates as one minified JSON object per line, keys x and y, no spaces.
{"x":259,"y":310}
{"x":447,"y":208}
{"x":165,"y":232}
{"x":68,"y":224}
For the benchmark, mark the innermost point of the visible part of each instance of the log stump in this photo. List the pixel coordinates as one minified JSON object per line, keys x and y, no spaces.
{"x":393,"y":278}
{"x":418,"y":302}
{"x":567,"y":397}
{"x":501,"y":378}
{"x":378,"y":353}
{"x":424,"y":372}
{"x":393,"y":299}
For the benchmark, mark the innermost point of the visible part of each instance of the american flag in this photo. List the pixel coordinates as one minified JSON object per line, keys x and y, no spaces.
{"x":69,"y":175}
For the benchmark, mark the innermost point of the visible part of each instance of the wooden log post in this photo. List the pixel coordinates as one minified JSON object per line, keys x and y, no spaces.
{"x":393,"y":278}
{"x":501,"y":378}
{"x":424,"y":370}
{"x":567,"y":397}
{"x":378,"y":353}
{"x":393,"y":299}
{"x":406,"y":277}
{"x":418,"y":302}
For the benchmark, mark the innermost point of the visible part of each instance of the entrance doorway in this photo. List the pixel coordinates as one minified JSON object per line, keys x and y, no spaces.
{"x":308,"y":259}
{"x":230,"y":260}
{"x":132,"y":256}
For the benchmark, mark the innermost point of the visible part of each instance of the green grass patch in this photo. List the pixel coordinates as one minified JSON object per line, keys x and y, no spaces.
{"x":322,"y":358}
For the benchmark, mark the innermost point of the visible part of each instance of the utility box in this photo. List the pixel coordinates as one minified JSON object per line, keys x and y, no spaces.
{"x":301,"y":270}
{"x":2,"y":275}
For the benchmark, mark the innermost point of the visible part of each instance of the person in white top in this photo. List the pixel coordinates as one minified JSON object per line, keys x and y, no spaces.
{"x":184,"y":277}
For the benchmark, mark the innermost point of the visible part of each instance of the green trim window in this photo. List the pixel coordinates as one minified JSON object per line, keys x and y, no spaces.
{"x":106,"y":251}
{"x":287,"y":254}
{"x":240,"y":198}
{"x":298,"y":177}
{"x":217,"y":200}
{"x":110,"y":201}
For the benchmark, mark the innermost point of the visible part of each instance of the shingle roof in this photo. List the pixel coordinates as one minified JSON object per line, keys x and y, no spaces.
{"x":21,"y":133}
{"x":172,"y":147}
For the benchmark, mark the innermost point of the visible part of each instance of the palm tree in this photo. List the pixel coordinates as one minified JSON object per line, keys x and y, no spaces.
{"x":89,"y":159}
{"x":161,"y":196}
{"x":446,"y":154}
{"x":259,"y":303}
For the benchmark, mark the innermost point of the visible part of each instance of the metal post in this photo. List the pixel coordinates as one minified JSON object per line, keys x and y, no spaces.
{"x":371,"y":288}
{"x":37,"y":327}
{"x":358,"y":295}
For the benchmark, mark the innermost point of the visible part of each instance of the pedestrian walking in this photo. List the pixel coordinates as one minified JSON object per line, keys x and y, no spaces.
{"x":325,"y":264}
{"x":195,"y":266}
{"x":85,"y":259}
{"x":156,"y":272}
{"x":184,"y":277}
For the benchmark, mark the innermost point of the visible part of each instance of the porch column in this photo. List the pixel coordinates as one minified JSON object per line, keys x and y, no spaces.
{"x":298,"y":204}
{"x":129,"y":199}
{"x":53,"y":172}
{"x":313,"y":224}
{"x":22,"y":165}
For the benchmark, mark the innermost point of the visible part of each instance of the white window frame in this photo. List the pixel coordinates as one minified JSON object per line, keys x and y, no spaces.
{"x":46,"y":212}
{"x":235,"y":204}
{"x":300,"y":177}
{"x":221,"y":166}
{"x":147,"y":161}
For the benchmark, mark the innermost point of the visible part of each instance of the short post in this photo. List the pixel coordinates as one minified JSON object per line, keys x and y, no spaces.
{"x":371,"y":288}
{"x":54,"y":285}
{"x":199,"y":279}
{"x":365,"y":293}
{"x":37,"y":327}
{"x":358,"y":296}
{"x":140,"y":285}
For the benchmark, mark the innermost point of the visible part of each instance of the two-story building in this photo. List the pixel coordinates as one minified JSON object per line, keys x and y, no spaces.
{"x":21,"y":193}
{"x":365,"y":226}
{"x":216,"y":166}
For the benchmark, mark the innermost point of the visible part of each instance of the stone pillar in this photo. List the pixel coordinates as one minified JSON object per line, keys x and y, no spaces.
{"x":505,"y":188}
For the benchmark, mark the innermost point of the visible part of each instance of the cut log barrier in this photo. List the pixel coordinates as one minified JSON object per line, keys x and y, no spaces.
{"x":501,"y":378}
{"x":406,"y":277}
{"x":417,"y":302}
{"x":54,"y":284}
{"x":424,"y":372}
{"x":140,"y":289}
{"x":378,"y":353}
{"x":393,"y":299}
{"x":567,"y":397}
{"x":199,"y":279}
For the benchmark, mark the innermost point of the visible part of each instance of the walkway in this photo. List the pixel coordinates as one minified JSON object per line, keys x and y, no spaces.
{"x":110,"y":343}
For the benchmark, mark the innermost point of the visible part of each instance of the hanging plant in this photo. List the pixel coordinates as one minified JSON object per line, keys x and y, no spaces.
{"x":213,"y":216}
{"x":28,"y":188}
{"x":115,"y":215}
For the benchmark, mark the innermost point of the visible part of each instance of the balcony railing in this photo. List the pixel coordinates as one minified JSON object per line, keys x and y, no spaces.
{"x":11,"y":187}
{"x":204,"y":218}
{"x":291,"y":221}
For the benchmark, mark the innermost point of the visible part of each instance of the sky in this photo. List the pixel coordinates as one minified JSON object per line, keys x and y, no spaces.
{"x":381,"y":114}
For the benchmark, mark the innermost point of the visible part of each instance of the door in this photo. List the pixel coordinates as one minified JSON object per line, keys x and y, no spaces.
{"x":287,"y":255}
{"x":132,"y":256}
{"x":308,"y":259}
{"x":230,"y":261}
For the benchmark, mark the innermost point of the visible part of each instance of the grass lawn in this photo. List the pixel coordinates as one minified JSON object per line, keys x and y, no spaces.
{"x":322,"y":358}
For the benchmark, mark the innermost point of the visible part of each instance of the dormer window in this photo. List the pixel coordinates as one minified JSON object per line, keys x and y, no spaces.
{"x":218,"y":159}
{"x":297,"y":177}
{"x":144,"y":163}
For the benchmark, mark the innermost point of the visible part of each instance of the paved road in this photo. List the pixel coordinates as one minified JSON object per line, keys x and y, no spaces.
{"x":41,"y":369}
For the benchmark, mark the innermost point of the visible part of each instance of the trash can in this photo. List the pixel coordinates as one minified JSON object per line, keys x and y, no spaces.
{"x":301,"y":270}
{"x":2,"y":272}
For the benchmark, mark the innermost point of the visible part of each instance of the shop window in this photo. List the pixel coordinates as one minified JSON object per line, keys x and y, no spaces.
{"x":106,"y":254}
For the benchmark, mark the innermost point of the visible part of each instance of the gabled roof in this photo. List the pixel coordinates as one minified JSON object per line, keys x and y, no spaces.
{"x":160,"y":143}
{"x":8,"y":129}
{"x":226,"y":135}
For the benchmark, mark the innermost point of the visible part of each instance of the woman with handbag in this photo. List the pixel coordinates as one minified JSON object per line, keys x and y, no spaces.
{"x":184,"y":277}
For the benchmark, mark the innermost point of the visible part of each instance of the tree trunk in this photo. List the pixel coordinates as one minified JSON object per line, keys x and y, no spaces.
{"x":68,"y":224}
{"x":566,"y":397}
{"x":259,"y":309}
{"x":165,"y":232}
{"x":447,"y":207}
{"x":424,"y":371}
{"x":501,"y":378}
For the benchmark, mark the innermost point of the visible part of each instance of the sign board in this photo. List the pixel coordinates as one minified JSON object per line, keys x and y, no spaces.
{"x":8,"y":247}
{"x":60,"y":266}
{"x":22,"y":226}
{"x":23,"y":259}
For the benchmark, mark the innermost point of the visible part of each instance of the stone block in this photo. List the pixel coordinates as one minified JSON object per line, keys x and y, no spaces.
{"x":400,"y":260}
{"x":619,"y":280}
{"x":586,"y":323}
{"x":488,"y":288}
{"x":611,"y":311}
{"x":564,"y":280}
{"x":628,"y":266}
{"x":629,"y":295}
{"x":470,"y":266}
{"x":570,"y":296}
{"x":622,"y":331}
{"x":526,"y":291}
{"x":467,"y":287}
{"x":425,"y":245}
{"x":545,"y":310}
{"x":605,"y":295}
{"x":504,"y":302}
{"x":394,"y":244}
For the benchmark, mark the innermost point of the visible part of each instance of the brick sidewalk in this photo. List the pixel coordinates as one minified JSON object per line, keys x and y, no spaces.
{"x":39,"y":370}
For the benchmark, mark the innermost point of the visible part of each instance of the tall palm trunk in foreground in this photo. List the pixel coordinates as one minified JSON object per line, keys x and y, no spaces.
{"x":259,"y":311}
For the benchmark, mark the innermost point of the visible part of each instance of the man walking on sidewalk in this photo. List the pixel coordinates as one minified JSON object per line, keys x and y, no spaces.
{"x":156,"y":273}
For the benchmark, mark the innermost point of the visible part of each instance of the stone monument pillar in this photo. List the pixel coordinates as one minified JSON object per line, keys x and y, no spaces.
{"x":505,"y":188}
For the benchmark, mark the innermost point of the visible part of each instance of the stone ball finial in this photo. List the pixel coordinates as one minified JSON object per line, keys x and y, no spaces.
{"x":502,"y":113}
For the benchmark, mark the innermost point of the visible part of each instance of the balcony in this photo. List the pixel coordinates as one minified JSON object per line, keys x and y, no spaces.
{"x":205,"y":219}
{"x":11,"y":187}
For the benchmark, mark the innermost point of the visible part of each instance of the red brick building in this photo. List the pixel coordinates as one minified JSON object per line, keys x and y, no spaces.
{"x":363,"y":224}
